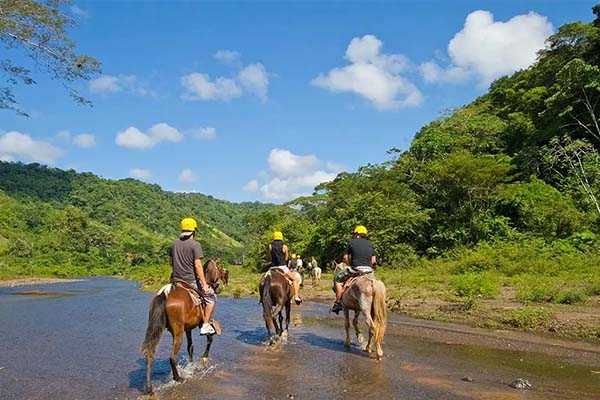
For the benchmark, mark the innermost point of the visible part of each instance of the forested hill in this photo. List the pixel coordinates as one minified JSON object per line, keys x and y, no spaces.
{"x":51,"y":217}
{"x":513,"y":175}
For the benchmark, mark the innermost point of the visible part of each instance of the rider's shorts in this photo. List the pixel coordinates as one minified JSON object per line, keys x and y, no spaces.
{"x":343,"y":275}
{"x":284,"y":268}
{"x":207,"y":298}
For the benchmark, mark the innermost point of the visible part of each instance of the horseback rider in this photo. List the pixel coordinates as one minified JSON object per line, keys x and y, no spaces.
{"x":186,"y":255}
{"x":313,"y":263}
{"x":359,"y":258}
{"x":279,"y":256}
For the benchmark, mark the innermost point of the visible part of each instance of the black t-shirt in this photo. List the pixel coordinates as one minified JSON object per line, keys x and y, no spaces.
{"x":277,"y":254}
{"x":360,"y":251}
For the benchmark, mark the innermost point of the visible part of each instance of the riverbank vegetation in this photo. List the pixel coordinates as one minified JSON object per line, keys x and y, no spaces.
{"x":492,"y":216}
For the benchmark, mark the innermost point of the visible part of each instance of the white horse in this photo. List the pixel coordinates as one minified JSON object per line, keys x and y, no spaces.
{"x":315,"y":273}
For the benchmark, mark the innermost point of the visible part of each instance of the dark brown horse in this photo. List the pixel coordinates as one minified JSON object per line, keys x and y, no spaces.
{"x":275,"y":295}
{"x":174,"y":309}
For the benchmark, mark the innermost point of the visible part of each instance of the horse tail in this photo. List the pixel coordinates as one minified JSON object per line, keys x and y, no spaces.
{"x":265,"y":298}
{"x":379,"y":310}
{"x":157,"y":322}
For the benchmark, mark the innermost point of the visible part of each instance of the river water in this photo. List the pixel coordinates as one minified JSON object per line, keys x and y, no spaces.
{"x":81,"y":341}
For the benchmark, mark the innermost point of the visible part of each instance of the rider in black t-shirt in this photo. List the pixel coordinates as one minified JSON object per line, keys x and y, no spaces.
{"x":359,"y":257}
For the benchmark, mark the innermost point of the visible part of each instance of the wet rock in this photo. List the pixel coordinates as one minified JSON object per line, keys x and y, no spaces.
{"x":291,"y":396}
{"x":520,"y":384}
{"x":467,"y":379}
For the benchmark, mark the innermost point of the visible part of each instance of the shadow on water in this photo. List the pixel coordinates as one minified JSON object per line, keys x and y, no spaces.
{"x":254,"y":337}
{"x":330,"y":344}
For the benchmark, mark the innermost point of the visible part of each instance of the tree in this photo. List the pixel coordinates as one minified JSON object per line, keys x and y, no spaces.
{"x":39,"y":28}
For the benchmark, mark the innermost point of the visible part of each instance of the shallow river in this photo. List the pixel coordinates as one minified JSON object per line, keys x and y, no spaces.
{"x":81,"y":341}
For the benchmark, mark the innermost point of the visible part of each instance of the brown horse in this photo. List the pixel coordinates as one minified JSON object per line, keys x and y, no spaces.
{"x":275,"y":295}
{"x":224,"y":276}
{"x":173,"y":308}
{"x":365,"y":295}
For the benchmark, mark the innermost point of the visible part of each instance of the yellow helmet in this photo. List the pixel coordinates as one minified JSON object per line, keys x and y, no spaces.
{"x":293,"y":256}
{"x":277,"y":235}
{"x":360,"y":230}
{"x":188,"y":224}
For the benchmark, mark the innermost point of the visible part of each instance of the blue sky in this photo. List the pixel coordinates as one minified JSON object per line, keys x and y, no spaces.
{"x":262,"y":100}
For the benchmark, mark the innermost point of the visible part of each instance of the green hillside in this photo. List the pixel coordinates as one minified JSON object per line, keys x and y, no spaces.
{"x":52,"y":219}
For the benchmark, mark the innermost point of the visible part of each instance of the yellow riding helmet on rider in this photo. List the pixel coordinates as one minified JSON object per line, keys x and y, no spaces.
{"x":293,"y":256}
{"x":188,"y":224}
{"x":277,"y":235}
{"x":360,"y":230}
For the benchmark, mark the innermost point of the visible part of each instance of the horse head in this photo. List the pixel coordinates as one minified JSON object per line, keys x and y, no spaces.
{"x":212,"y":274}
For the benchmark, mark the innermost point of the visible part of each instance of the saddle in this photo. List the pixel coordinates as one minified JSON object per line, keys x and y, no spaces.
{"x":353,"y":279}
{"x":268,"y":273}
{"x":191,"y":291}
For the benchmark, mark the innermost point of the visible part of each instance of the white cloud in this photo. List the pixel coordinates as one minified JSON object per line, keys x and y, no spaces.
{"x":291,"y":175}
{"x":373,"y":75}
{"x":140,"y":173}
{"x":187,"y":176}
{"x":254,"y":79}
{"x":85,"y":140}
{"x":64,"y":135}
{"x":251,"y":186}
{"x":133,"y":138}
{"x":120,"y":83}
{"x":106,"y":84}
{"x":489,"y":49}
{"x":80,"y":12}
{"x":285,"y":163}
{"x":200,"y":87}
{"x":227,"y":56}
{"x":14,"y":144}
{"x":207,"y":133}
{"x":7,"y":158}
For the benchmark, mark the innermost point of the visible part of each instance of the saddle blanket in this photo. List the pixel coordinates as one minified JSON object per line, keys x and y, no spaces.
{"x":170,"y":286}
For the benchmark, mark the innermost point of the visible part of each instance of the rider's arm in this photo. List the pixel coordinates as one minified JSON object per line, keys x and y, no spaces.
{"x":200,"y":273}
{"x":346,"y":259}
{"x":373,"y":260}
{"x":285,"y":252}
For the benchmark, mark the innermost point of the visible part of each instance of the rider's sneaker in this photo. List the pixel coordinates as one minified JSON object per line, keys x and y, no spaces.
{"x":298,"y":300}
{"x":207,"y":329}
{"x":337,"y":307}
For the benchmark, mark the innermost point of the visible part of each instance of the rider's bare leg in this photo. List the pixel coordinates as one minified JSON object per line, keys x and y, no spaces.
{"x":295,"y":286}
{"x":338,"y":291}
{"x":208,"y":310}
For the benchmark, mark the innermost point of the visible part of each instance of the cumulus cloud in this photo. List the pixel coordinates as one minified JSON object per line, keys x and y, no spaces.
{"x":187,"y":176}
{"x":200,"y":87}
{"x":252,"y":78}
{"x":133,"y":138}
{"x":251,"y":186}
{"x":291,"y":175}
{"x":140,"y":173}
{"x":85,"y":140}
{"x":255,"y":80}
{"x":107,"y":84}
{"x":227,"y":56}
{"x":489,"y":49}
{"x":207,"y":133}
{"x":373,"y":75}
{"x":16,"y":145}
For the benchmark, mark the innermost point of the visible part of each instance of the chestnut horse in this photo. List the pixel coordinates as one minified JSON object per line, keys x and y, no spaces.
{"x":366,"y":295}
{"x":275,"y":295}
{"x":174,"y":309}
{"x":224,"y":276}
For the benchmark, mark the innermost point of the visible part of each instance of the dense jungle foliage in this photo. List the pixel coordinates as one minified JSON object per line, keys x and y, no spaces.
{"x":505,"y":186}
{"x":508,"y":183}
{"x":66,"y":223}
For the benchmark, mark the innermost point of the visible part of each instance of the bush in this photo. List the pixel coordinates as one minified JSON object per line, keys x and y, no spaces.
{"x":528,"y":318}
{"x":473,"y":284}
{"x":550,"y":290}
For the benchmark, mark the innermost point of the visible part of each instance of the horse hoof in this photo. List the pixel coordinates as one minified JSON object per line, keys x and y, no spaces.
{"x":179,"y":379}
{"x":347,"y":345}
{"x":379,"y":357}
{"x":149,"y":390}
{"x":204,"y":361}
{"x":368,"y":350}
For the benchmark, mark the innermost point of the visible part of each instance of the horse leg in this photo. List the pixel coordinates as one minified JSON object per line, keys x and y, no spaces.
{"x":204,"y":359}
{"x":149,"y":362}
{"x":369,"y":347}
{"x":190,"y":345}
{"x":347,"y":326}
{"x":288,"y":307}
{"x":177,"y":332}
{"x":359,"y":336}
